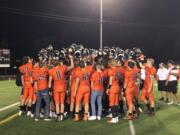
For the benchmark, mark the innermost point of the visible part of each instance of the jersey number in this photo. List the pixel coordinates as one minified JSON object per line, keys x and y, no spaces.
{"x":58,"y":75}
{"x":86,"y":77}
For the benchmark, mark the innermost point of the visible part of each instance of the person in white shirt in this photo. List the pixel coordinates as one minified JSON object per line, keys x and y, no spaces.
{"x":143,"y":76}
{"x":162,"y":75}
{"x":172,"y":83}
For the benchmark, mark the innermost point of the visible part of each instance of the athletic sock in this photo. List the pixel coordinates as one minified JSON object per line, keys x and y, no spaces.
{"x":148,"y":106}
{"x":29,"y":108}
{"x":33,"y":108}
{"x":116,"y":111}
{"x":22,"y":108}
{"x":113,"y":110}
{"x":152,"y":109}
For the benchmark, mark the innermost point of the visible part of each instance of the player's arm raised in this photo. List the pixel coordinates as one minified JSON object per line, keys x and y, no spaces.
{"x":109,"y":85}
{"x":72,"y":63}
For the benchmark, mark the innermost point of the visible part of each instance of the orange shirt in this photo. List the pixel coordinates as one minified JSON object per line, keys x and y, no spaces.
{"x":84,"y":76}
{"x":130,"y":77}
{"x":149,"y":72}
{"x":74,"y":75}
{"x":35,"y":73}
{"x":105,"y":71}
{"x":26,"y":71}
{"x":98,"y":80}
{"x":41,"y":76}
{"x":58,"y":74}
{"x":115,"y":74}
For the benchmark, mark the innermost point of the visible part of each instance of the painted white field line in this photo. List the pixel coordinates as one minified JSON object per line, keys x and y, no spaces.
{"x":132,"y":129}
{"x":9,"y":106}
{"x":1,"y":88}
{"x":9,"y":119}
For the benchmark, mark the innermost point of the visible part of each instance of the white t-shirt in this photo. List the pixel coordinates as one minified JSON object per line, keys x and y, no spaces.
{"x":143,"y":74}
{"x":162,"y":74}
{"x":172,"y":77}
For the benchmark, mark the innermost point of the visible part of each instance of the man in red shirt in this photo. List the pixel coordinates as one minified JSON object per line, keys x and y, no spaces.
{"x":82,"y":89}
{"x":148,"y":91}
{"x":41,"y":87}
{"x":131,"y":87}
{"x":26,"y":79}
{"x":114,"y":90}
{"x":97,"y":89}
{"x":72,"y":82}
{"x":35,"y":71}
{"x":58,"y":75}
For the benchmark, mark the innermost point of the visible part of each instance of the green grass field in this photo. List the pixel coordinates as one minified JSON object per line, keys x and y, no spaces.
{"x":166,"y":121}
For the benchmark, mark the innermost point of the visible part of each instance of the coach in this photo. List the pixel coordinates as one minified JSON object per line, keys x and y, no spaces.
{"x":172,"y":83}
{"x":162,"y":75}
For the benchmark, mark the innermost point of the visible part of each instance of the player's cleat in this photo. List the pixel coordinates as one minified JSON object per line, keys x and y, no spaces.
{"x":51,"y":114}
{"x":61,"y":117}
{"x":92,"y":118}
{"x":140,"y":110}
{"x":65,"y":115}
{"x":20,"y":113}
{"x":178,"y":103}
{"x":76,"y":118}
{"x":170,"y":103}
{"x":124,"y":118}
{"x":109,"y":116}
{"x":112,"y":121}
{"x":36,"y":119}
{"x":47,"y":119}
{"x":41,"y":115}
{"x":117,"y":119}
{"x":29,"y":113}
{"x":98,"y":118}
{"x":32,"y":115}
{"x":54,"y":115}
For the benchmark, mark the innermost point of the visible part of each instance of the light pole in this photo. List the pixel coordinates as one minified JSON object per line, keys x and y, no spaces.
{"x":101,"y":24}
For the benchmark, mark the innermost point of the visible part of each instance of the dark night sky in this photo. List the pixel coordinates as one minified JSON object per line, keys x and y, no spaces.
{"x":153,"y":25}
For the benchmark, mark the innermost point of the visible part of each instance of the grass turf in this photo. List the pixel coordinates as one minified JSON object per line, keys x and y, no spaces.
{"x":166,"y":121}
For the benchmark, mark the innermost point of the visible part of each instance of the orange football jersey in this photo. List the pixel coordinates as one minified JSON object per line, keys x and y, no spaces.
{"x":115,"y":74}
{"x":42,"y":80}
{"x":58,"y":74}
{"x":84,"y":75}
{"x":26,"y":71}
{"x":73,"y":74}
{"x":130,"y":77}
{"x":98,"y":80}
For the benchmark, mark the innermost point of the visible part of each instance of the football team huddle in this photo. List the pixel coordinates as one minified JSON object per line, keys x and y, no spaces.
{"x":88,"y":84}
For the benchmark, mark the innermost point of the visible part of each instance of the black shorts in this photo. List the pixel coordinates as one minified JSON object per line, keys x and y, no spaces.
{"x":141,"y":85}
{"x":172,"y":87}
{"x":162,"y":85}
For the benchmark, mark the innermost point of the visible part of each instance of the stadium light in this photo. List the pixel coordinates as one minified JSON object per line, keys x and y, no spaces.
{"x":101,"y":24}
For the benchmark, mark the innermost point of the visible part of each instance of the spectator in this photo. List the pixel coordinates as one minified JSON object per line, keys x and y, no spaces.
{"x":162,"y":75}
